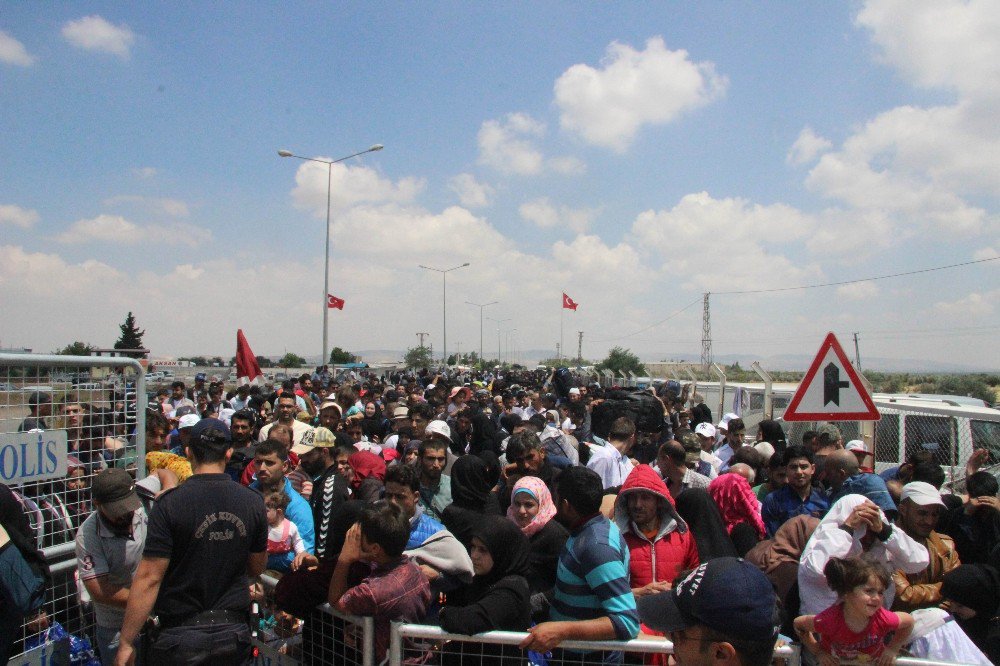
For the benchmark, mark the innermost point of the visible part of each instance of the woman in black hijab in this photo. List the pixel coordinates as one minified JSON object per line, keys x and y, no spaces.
{"x":771,"y":432}
{"x":972,"y":592}
{"x":497,"y":598}
{"x":702,"y":516}
{"x":472,"y":495}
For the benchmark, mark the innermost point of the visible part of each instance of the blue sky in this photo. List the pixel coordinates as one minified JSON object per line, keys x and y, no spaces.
{"x":633,"y":155}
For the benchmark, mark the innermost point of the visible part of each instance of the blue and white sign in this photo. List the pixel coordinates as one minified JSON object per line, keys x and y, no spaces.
{"x":32,"y":456}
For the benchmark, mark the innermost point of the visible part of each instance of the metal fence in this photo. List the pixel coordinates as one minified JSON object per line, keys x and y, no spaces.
{"x":62,"y":420}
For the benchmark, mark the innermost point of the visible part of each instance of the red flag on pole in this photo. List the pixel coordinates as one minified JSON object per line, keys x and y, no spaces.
{"x":334,"y":302}
{"x":247,"y":368}
{"x":569,"y":303}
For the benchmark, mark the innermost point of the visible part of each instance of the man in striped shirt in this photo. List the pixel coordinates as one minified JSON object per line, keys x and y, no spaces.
{"x":593,"y":599}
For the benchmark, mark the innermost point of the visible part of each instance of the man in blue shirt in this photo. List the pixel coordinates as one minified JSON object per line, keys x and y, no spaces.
{"x":798,"y":497}
{"x":593,"y":599}
{"x":271,"y":457}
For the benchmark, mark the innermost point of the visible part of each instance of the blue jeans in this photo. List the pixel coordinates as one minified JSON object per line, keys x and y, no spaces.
{"x":107,"y":640}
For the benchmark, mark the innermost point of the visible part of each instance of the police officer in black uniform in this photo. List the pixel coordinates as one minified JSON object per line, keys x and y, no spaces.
{"x":204,"y":539}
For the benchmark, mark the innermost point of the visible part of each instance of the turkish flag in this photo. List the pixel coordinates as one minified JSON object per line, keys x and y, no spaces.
{"x":334,"y":302}
{"x":569,"y":303}
{"x":247,"y":368}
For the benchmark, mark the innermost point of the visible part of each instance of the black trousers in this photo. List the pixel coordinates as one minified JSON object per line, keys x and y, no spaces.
{"x":221,"y":644}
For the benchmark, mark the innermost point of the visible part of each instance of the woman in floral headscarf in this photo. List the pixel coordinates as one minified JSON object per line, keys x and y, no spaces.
{"x":532,"y":510}
{"x":740,"y":511}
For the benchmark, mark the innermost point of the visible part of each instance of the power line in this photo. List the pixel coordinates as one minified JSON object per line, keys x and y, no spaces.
{"x":843,"y":282}
{"x":643,"y":330}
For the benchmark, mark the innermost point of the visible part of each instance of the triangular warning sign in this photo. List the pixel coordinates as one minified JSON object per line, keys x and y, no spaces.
{"x":831,"y":389}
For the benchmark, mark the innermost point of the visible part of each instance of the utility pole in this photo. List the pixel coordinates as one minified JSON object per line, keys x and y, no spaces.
{"x":857,"y":352}
{"x":706,"y":335}
{"x":422,"y":339}
{"x":579,"y":348}
{"x":558,"y":352}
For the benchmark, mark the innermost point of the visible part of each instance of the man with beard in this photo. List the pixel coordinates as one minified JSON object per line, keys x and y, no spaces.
{"x":285,"y":414}
{"x":920,"y":506}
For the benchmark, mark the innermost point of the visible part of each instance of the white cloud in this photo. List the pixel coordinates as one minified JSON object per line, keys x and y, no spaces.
{"x":608,"y":106}
{"x":939,"y":43}
{"x":470,"y":191}
{"x":93,"y":33}
{"x":351,"y":186}
{"x":32,"y":275}
{"x":807,"y":147}
{"x":985,"y":253}
{"x":973,"y":306}
{"x":858,"y":291}
{"x":545,"y":215}
{"x":724,"y":243}
{"x":116,"y":229}
{"x":590,"y":260}
{"x":17,"y":216}
{"x":507,"y":146}
{"x":13,"y":52}
{"x":145,"y":173}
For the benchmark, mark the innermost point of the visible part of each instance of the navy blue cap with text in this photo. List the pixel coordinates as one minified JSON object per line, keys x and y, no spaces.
{"x":728,"y":595}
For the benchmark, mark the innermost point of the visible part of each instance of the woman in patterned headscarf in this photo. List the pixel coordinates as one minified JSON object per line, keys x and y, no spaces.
{"x":740,"y":511}
{"x":532,"y":510}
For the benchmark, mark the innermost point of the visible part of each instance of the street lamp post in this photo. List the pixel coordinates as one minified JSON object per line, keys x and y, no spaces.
{"x":499,"y":339}
{"x":324,"y":358}
{"x":444,"y":305}
{"x":481,"y":306}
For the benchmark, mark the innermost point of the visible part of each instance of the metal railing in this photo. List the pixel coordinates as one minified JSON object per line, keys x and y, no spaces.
{"x":62,"y":420}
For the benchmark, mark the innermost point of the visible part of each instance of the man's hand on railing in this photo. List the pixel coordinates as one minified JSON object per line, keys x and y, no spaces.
{"x":543,"y":637}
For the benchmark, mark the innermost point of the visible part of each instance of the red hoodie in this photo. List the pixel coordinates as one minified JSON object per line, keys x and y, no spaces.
{"x":672,"y":550}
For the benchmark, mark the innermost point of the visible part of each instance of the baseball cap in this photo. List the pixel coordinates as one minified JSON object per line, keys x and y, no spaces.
{"x":400,"y":413}
{"x":438,"y":428}
{"x":114,"y":490}
{"x":705,"y":430}
{"x":200,"y":377}
{"x":184,"y":410}
{"x":728,"y":595}
{"x":188,"y":421}
{"x":726,"y":418}
{"x":921,"y":493}
{"x":205,"y":425}
{"x":856,"y":445}
{"x":431,"y":387}
{"x":308,"y":441}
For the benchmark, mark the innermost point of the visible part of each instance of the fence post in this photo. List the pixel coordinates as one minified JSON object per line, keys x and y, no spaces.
{"x":368,"y":636}
{"x":722,"y":387}
{"x":768,"y":396}
{"x":395,"y":644}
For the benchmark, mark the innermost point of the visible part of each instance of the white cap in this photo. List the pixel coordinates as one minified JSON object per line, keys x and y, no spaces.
{"x":431,"y":387}
{"x":766,"y":449}
{"x":724,"y":423}
{"x":574,"y":391}
{"x":438,"y":428}
{"x":188,"y":421}
{"x":921,"y":493}
{"x":856,"y":445}
{"x":705,"y":430}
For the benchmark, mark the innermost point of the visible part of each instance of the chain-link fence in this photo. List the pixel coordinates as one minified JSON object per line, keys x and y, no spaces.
{"x":63,"y":419}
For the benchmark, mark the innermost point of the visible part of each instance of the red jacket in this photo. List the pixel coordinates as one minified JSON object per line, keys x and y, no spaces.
{"x":673,"y":549}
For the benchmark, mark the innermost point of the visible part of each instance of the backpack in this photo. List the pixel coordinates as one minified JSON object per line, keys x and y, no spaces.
{"x":563,"y":382}
{"x":643,"y":408}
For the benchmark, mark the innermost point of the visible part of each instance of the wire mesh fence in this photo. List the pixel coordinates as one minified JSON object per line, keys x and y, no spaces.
{"x":62,"y":421}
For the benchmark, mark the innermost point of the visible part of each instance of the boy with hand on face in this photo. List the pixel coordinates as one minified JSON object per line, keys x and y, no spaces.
{"x":393,"y":588}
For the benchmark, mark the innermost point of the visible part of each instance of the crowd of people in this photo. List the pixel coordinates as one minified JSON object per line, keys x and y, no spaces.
{"x":528,"y":502}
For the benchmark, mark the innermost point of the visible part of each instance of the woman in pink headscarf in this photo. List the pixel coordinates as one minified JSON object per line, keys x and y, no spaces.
{"x":740,"y":511}
{"x":532,"y":510}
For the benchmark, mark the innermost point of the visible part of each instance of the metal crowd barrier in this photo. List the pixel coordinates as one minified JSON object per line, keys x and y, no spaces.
{"x":420,"y":643}
{"x":94,"y":405}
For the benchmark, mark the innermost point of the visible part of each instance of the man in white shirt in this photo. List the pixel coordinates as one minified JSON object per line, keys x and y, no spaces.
{"x":611,"y":462}
{"x":285,"y":412}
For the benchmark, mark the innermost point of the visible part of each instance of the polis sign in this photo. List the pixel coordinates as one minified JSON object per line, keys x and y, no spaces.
{"x":32,"y":456}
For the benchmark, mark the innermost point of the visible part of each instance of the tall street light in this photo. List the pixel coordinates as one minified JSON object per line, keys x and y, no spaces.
{"x":481,"y":306}
{"x":498,"y":321}
{"x":324,"y":358}
{"x":444,"y":305}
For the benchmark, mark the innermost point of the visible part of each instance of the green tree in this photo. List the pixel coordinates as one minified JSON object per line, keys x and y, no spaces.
{"x":338,"y":355}
{"x":291,"y":360}
{"x":419,"y":357}
{"x":77,"y":348}
{"x":131,"y":336}
{"x":196,"y":360}
{"x":968,"y":385}
{"x":264,"y":362}
{"x":622,"y":360}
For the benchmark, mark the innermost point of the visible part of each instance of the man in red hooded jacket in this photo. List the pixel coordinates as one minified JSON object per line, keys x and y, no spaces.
{"x":659,"y":542}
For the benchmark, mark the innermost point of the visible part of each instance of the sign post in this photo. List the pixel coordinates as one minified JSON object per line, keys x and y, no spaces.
{"x":832,"y":389}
